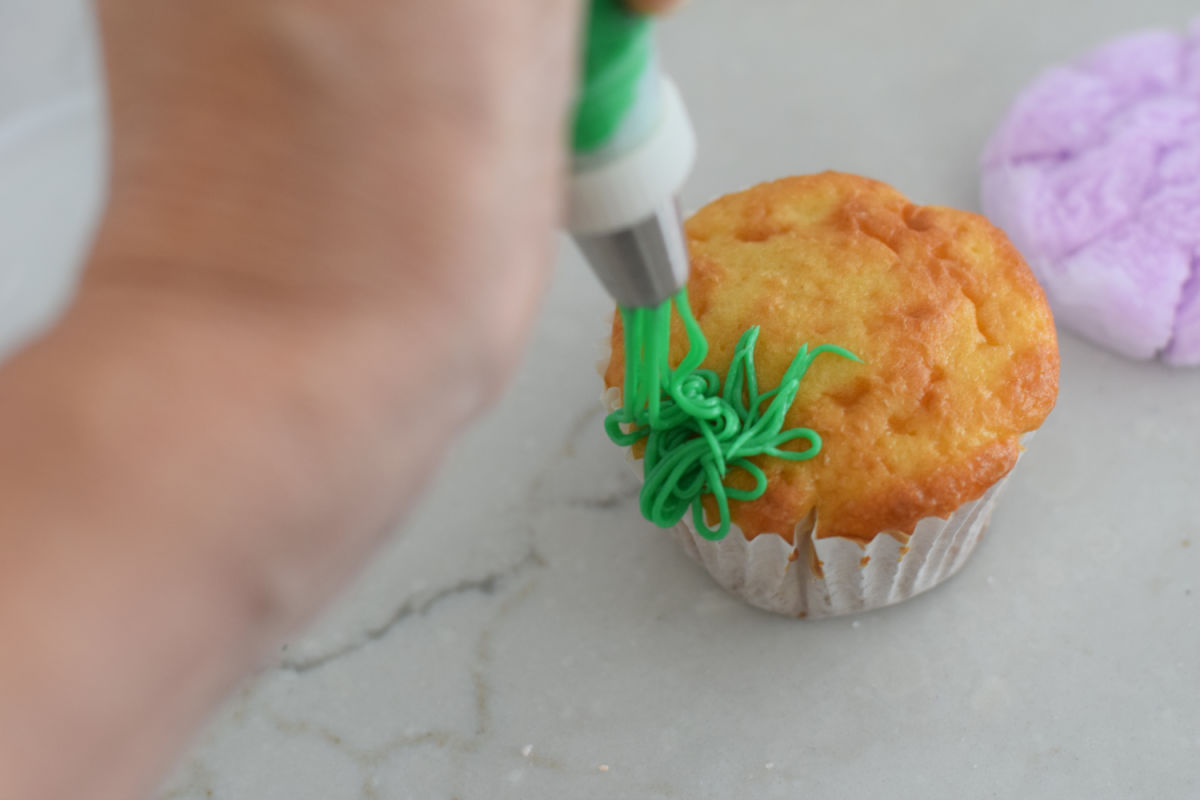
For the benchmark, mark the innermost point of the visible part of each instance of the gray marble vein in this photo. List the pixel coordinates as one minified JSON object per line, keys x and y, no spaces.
{"x":485,"y":585}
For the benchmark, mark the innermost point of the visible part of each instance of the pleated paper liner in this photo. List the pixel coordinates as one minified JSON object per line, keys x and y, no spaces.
{"x":828,"y":577}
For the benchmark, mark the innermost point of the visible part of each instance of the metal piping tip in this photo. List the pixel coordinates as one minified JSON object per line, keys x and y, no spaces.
{"x":644,"y":264}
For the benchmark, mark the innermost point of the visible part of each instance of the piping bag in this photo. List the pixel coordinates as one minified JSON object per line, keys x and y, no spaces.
{"x":632,"y":149}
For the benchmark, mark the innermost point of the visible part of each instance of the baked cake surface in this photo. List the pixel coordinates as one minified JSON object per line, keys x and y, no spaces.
{"x":958,"y":346}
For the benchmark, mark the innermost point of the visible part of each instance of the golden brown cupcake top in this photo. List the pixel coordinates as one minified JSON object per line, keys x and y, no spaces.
{"x":958,"y":347}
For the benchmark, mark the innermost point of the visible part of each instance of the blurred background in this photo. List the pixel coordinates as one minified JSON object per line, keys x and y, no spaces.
{"x":51,"y":155}
{"x":47,"y":54}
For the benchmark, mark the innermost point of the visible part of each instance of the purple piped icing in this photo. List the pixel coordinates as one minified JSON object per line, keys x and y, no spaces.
{"x":1095,"y":176}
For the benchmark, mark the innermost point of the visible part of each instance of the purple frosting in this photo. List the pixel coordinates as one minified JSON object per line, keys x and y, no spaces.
{"x":1095,"y":175}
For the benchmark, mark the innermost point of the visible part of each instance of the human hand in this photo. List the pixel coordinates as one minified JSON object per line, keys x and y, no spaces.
{"x":404,"y":160}
{"x":327,"y":230}
{"x":366,"y":190}
{"x":654,"y":6}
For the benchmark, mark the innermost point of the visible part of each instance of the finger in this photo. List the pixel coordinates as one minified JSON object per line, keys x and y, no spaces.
{"x":653,"y":6}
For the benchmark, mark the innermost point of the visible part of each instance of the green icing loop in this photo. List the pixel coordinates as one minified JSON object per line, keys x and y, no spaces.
{"x":696,"y":431}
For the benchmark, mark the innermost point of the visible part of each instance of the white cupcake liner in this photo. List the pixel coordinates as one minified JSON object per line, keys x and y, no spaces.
{"x":828,"y":577}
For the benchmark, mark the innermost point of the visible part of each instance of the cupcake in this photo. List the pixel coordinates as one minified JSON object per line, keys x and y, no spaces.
{"x":888,"y":466}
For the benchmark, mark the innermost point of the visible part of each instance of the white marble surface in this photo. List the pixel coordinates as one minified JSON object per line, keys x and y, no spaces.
{"x":526,"y":635}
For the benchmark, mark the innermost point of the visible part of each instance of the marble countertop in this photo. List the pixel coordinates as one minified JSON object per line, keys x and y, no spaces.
{"x":527,"y":635}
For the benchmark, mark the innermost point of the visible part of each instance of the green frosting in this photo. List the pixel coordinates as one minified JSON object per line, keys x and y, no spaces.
{"x":697,"y":430}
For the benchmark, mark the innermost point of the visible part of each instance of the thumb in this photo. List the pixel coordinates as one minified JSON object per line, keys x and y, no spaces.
{"x":653,"y":6}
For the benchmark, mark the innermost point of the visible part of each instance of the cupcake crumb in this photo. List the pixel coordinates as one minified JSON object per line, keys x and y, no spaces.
{"x":527,"y":750}
{"x":770,"y":765}
{"x":603,"y":767}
